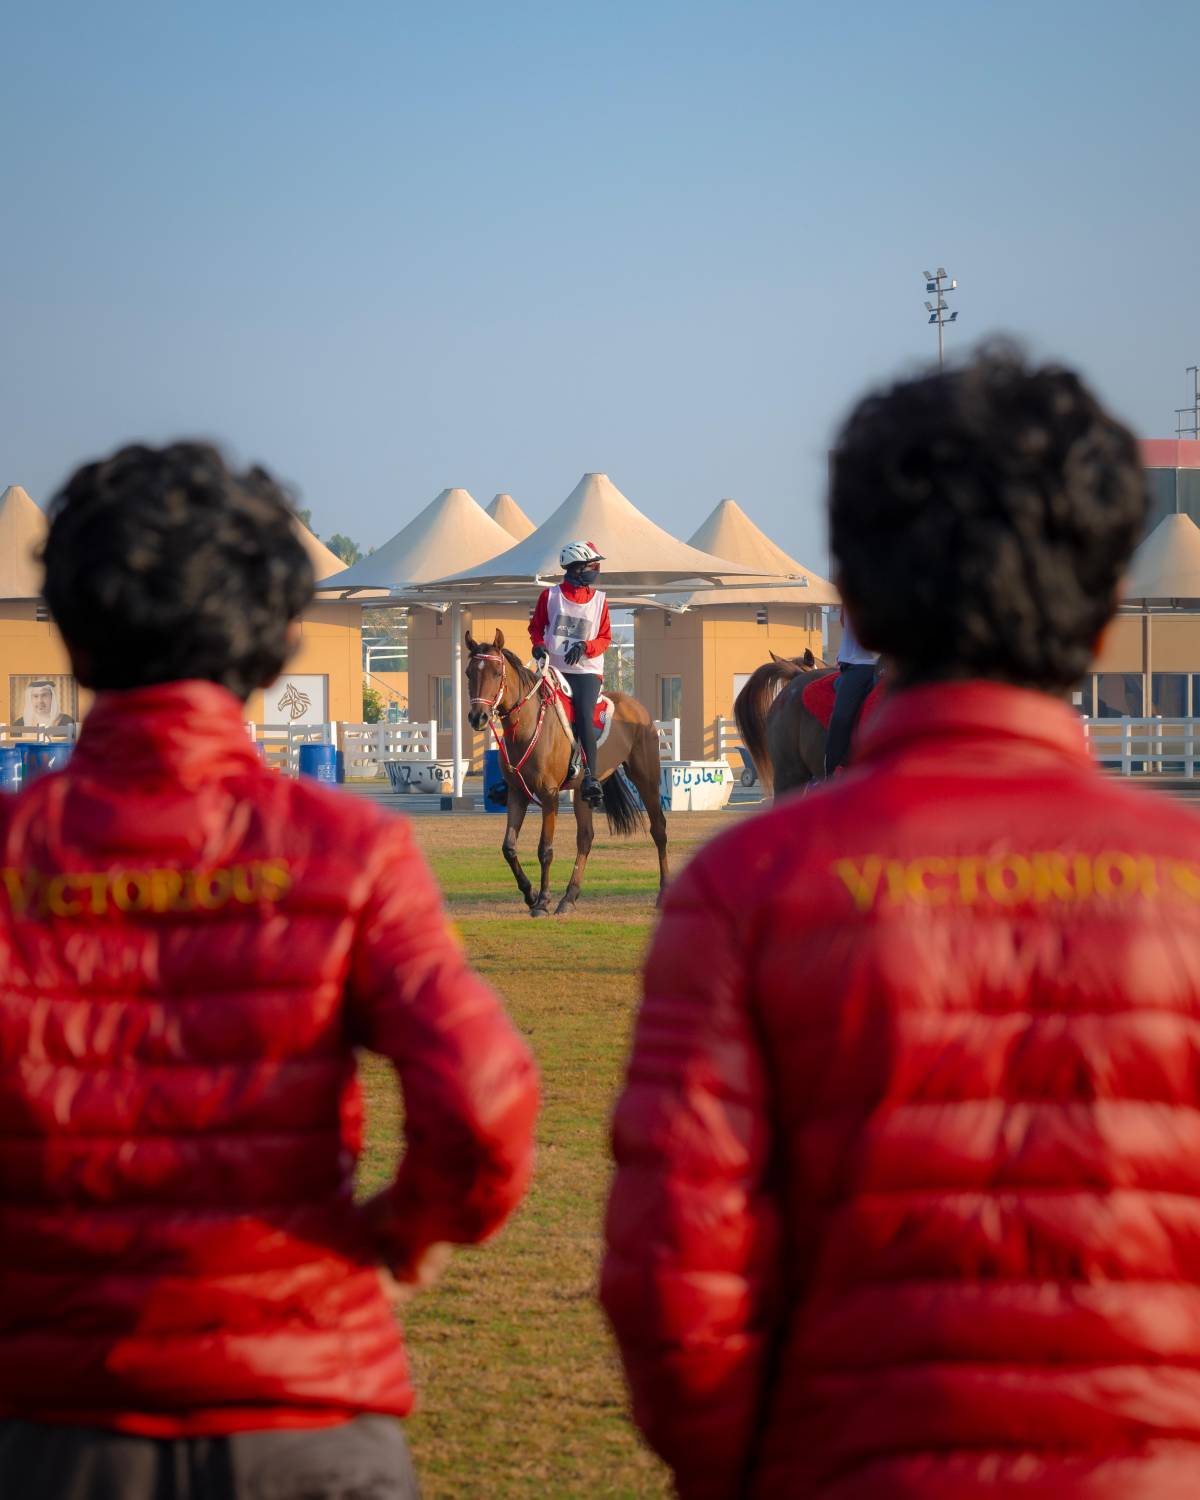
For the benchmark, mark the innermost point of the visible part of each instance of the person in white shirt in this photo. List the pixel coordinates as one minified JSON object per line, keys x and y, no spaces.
{"x":858,"y":670}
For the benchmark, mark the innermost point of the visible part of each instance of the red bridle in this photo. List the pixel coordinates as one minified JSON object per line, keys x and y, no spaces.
{"x":494,"y":713}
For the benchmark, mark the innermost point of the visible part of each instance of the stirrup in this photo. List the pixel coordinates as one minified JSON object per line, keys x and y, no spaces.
{"x":576,"y":764}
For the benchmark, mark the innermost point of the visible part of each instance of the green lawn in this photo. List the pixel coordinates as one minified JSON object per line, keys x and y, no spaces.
{"x":519,"y":1390}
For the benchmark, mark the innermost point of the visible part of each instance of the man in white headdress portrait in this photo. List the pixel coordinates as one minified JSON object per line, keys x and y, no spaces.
{"x":41,"y":707}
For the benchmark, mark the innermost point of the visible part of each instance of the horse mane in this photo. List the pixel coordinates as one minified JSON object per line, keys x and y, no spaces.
{"x":525,"y":677}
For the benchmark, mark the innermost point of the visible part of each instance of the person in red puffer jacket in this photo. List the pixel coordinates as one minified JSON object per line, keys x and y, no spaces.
{"x":191,"y":949}
{"x":907,"y":1199}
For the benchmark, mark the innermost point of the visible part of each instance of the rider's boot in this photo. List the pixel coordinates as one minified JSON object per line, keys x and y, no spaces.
{"x":591,"y":791}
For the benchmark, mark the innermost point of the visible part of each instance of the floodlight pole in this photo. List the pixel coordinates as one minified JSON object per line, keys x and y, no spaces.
{"x":1193,"y":411}
{"x":939,"y":312}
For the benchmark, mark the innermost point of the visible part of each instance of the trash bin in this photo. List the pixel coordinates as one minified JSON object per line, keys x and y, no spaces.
{"x":37,"y":759}
{"x":10,"y":768}
{"x":493,"y":781}
{"x":320,"y":762}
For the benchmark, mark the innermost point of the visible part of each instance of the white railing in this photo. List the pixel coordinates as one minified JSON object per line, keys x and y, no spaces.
{"x":364,"y":747}
{"x":24,"y":734}
{"x":727,"y":741}
{"x":668,"y":739}
{"x":1145,"y":747}
{"x":280,"y":743}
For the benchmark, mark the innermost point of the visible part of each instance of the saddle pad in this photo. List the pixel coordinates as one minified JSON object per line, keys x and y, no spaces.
{"x":818,"y":695}
{"x":603,"y":707}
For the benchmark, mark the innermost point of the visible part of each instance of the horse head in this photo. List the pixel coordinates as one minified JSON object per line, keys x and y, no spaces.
{"x":486,"y":667}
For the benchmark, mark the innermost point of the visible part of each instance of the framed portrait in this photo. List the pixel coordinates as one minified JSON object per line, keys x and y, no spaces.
{"x":44,"y":701}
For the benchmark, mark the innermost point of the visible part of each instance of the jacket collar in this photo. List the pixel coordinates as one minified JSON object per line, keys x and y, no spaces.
{"x":577,"y":593}
{"x":923,"y":717}
{"x":193,"y":731}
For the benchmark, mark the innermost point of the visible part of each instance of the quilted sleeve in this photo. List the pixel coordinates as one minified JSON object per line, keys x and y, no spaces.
{"x":692,"y":1230}
{"x":468,"y":1080}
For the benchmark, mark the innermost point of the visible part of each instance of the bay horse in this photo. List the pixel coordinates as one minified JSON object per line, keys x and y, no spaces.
{"x":535,"y":754}
{"x":784,"y":740}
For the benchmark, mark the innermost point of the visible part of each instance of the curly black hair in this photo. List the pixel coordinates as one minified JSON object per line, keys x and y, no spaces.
{"x":163,"y":564}
{"x":981,"y":520}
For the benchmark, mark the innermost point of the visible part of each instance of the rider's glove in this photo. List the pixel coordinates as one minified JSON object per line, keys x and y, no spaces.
{"x":574,"y":654}
{"x":540,"y":653}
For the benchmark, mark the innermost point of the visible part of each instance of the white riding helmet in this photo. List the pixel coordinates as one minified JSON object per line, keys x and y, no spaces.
{"x":579,"y":552}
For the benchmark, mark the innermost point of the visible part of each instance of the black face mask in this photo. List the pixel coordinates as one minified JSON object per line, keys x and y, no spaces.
{"x":583,"y":576}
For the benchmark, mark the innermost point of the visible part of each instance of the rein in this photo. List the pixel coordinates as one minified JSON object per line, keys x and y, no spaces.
{"x":539,"y":685}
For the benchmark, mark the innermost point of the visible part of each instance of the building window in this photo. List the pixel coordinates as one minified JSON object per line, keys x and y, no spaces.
{"x":41,"y":612}
{"x":443,"y":704}
{"x":1118,"y":695}
{"x":760,"y":617}
{"x":670,"y":697}
{"x":1169,"y":693}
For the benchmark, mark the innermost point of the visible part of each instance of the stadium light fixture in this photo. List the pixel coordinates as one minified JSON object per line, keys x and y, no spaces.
{"x":941,"y":314}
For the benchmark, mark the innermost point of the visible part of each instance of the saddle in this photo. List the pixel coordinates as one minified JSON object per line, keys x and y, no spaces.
{"x":566,"y":706}
{"x":818,"y":697}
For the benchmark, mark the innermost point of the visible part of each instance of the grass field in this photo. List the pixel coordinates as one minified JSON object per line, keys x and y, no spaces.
{"x":518,"y":1386}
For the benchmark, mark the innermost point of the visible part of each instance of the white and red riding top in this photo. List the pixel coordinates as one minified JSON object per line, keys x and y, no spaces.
{"x":568,"y":613}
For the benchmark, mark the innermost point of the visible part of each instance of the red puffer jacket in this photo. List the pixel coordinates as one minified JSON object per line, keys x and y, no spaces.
{"x":908,"y":1187}
{"x":191,"y":947}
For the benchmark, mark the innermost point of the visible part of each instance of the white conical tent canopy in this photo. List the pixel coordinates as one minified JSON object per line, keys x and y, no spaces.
{"x":324,"y":562}
{"x":23,"y":528}
{"x":451,"y":531}
{"x":729,"y":532}
{"x":505,"y":511}
{"x":637,"y":553}
{"x":1167,"y":564}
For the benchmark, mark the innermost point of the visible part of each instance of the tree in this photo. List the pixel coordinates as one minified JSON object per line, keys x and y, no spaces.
{"x":305,"y":517}
{"x":372,"y":705}
{"x":349,"y":552}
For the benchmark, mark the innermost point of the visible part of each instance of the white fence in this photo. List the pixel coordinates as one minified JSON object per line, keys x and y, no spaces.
{"x":24,"y":734}
{"x":1145,"y":747}
{"x":365,"y":747}
{"x":668,"y":739}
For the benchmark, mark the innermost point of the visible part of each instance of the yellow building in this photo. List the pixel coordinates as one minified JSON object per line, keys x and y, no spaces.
{"x":690,"y":666}
{"x":327,"y":669}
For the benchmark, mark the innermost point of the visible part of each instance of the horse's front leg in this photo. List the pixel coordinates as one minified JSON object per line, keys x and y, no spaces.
{"x":518,"y":806}
{"x":541,"y":906}
{"x":585,"y":833}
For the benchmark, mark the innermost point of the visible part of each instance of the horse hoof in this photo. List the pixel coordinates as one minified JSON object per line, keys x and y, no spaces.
{"x":539,"y":910}
{"x":564,"y":908}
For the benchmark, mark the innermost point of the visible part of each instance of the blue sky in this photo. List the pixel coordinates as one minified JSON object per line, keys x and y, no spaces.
{"x":386,"y":248}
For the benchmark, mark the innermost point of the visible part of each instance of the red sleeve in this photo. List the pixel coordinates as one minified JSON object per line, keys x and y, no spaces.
{"x":541,"y":618}
{"x":467,"y":1078}
{"x":602,"y":640}
{"x":689,"y":1278}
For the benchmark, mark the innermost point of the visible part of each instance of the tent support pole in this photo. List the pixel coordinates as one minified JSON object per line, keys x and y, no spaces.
{"x":1147,"y":682}
{"x":456,"y":698}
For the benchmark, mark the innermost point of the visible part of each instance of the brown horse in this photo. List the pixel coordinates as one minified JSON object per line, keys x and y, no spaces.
{"x":784,"y":740}
{"x":535,"y":755}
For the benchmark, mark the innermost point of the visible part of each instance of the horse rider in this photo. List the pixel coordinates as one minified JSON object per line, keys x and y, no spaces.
{"x":570,"y":627}
{"x":858,"y":671}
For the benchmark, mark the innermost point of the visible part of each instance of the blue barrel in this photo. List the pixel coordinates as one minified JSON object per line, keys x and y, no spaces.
{"x":320,"y":762}
{"x":37,"y":759}
{"x":493,"y":777}
{"x":10,"y":768}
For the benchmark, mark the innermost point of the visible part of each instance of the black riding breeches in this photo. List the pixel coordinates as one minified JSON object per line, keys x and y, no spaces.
{"x":853,"y":687}
{"x":585,"y":689}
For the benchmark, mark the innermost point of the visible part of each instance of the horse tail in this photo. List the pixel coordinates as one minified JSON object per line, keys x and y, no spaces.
{"x":752,"y":706}
{"x":621,"y":807}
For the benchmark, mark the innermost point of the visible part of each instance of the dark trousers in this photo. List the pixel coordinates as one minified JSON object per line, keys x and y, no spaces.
{"x":366,"y":1459}
{"x":853,"y":687}
{"x":585,"y":689}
